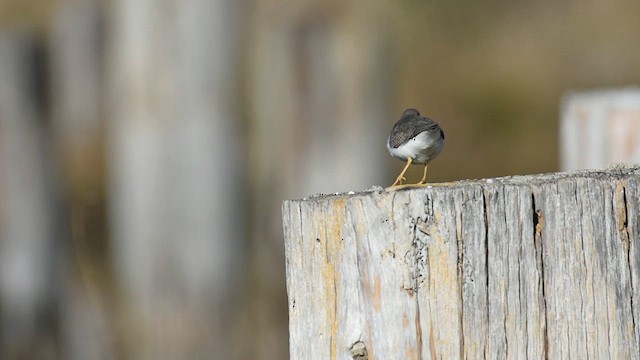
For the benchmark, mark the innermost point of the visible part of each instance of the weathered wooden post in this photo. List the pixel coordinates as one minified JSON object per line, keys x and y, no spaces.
{"x":600,"y":127}
{"x":540,"y":266}
{"x":174,"y":176}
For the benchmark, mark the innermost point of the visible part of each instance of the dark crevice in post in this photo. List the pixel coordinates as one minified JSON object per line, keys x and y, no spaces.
{"x":359,"y":351}
{"x":623,"y":226}
{"x":428,"y":207}
{"x":521,"y":283}
{"x":627,"y":240}
{"x":507,"y":275}
{"x":608,"y":206}
{"x":486,"y":254}
{"x":535,"y":216}
{"x":538,"y":227}
{"x":301,"y":218}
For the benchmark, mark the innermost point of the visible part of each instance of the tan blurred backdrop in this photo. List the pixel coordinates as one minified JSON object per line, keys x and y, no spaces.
{"x":146,"y":146}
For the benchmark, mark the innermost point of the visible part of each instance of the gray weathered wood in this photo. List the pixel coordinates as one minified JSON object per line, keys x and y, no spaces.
{"x":540,"y":266}
{"x":599,"y":128}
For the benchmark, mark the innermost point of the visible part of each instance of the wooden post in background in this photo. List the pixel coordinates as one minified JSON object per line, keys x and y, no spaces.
{"x":27,"y":249}
{"x":599,"y":128}
{"x":75,"y":47}
{"x":540,"y":266}
{"x":176,"y":178}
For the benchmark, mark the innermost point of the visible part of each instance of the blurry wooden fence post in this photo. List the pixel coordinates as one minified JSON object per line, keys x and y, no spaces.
{"x":599,"y":128}
{"x":28,"y":281}
{"x":533,"y":267}
{"x":75,"y":47}
{"x":176,"y":176}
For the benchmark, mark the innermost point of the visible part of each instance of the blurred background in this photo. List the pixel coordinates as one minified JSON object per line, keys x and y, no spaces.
{"x":146,"y":146}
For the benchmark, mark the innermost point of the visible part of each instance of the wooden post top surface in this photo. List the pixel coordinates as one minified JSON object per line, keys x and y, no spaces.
{"x":615,"y":171}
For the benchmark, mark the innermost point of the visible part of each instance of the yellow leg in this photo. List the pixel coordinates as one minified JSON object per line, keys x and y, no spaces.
{"x":400,"y":177}
{"x":424,"y":176}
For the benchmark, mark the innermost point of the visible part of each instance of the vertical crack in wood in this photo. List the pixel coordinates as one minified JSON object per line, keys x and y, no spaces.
{"x":538,"y":227}
{"x":300,"y":215}
{"x":580,"y":207}
{"x":508,"y":275}
{"x":626,"y":237}
{"x":609,"y":209}
{"x":486,"y":254}
{"x":524,"y":302}
{"x":458,"y":225}
{"x":422,"y":264}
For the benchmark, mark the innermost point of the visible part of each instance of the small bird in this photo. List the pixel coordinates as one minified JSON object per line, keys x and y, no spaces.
{"x":415,"y":139}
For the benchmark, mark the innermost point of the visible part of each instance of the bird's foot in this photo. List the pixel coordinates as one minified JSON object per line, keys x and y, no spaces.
{"x":398,"y":181}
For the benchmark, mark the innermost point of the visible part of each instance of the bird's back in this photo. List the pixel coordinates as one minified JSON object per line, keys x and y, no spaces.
{"x":409,"y":126}
{"x":416,"y":137}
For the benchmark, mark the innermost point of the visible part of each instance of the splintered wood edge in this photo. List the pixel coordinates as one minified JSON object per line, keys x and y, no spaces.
{"x":614,"y":171}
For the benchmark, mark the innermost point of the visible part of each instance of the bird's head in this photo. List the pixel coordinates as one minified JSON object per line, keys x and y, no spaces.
{"x":410,"y":112}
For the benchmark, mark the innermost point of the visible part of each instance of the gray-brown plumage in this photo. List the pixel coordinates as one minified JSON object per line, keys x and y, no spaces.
{"x":415,"y":139}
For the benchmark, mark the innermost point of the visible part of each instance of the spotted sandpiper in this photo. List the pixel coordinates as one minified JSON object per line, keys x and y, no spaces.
{"x":415,"y":139}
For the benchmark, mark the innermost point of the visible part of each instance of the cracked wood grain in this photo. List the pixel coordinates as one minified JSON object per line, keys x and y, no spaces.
{"x":542,"y":266}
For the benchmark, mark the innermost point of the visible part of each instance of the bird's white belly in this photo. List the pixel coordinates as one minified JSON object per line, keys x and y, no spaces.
{"x":422,"y":148}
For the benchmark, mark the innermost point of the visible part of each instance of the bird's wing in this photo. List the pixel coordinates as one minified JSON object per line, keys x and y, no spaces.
{"x":406,"y":129}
